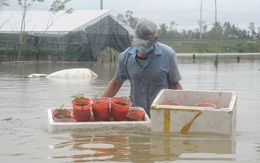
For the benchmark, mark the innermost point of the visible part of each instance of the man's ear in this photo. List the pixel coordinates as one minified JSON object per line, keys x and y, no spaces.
{"x":155,"y":40}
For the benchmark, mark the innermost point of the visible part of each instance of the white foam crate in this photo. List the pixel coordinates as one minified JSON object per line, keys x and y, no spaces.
{"x":189,"y":118}
{"x":100,"y":126}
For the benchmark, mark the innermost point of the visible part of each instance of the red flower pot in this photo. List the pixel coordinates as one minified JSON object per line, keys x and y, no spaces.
{"x":100,"y":108}
{"x":136,"y":115}
{"x":119,"y":108}
{"x":210,"y":105}
{"x":62,"y":115}
{"x":81,"y":109}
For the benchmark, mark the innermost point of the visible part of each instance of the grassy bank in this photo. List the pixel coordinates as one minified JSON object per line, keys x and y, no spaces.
{"x":214,"y":47}
{"x":197,"y":47}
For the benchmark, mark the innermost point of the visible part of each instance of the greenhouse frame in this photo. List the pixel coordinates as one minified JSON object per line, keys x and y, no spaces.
{"x":81,"y":36}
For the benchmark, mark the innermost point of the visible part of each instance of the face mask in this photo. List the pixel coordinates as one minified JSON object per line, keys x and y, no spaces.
{"x":145,"y":51}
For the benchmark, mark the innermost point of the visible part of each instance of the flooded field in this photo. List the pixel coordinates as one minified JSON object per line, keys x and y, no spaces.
{"x":24,"y":127}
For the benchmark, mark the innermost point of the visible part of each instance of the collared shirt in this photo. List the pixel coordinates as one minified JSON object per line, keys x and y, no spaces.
{"x":159,"y":70}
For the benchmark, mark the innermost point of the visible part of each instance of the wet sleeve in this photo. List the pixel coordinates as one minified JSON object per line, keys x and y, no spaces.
{"x":121,"y":74}
{"x":174,"y":73}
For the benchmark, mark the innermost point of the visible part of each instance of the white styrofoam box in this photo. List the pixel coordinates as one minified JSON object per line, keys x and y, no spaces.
{"x":101,"y":126}
{"x":189,"y":118}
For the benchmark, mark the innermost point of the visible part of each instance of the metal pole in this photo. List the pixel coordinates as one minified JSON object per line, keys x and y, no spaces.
{"x":101,"y":4}
{"x":216,"y":19}
{"x":216,"y":61}
{"x":215,"y":11}
{"x":200,"y":18}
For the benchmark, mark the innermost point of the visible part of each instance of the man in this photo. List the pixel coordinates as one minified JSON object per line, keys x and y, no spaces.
{"x":149,"y":66}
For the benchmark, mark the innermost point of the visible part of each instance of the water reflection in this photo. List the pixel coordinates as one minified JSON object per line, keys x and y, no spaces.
{"x":94,"y":147}
{"x":138,"y":148}
{"x":184,"y":147}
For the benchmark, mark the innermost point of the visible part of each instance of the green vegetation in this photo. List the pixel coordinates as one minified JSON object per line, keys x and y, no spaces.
{"x":77,"y":97}
{"x":200,"y":47}
{"x":221,"y":38}
{"x":61,"y":108}
{"x":213,"y":47}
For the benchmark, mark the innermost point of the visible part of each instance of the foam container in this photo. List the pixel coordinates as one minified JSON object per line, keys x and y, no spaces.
{"x":188,"y":118}
{"x":100,"y":126}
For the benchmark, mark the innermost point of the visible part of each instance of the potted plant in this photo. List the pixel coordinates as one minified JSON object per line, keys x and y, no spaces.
{"x":100,"y":108}
{"x":120,"y":107}
{"x":61,"y":114}
{"x":136,"y":115}
{"x":81,"y":107}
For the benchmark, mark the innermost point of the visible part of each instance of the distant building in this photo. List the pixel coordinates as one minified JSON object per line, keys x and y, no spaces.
{"x":79,"y":36}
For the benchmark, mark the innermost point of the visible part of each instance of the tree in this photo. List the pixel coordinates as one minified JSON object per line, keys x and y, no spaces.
{"x":227,"y":30}
{"x":3,"y":4}
{"x":25,"y":6}
{"x":216,"y":31}
{"x":235,"y":31}
{"x":258,"y":35}
{"x":60,"y":5}
{"x":56,"y":6}
{"x":128,"y":18}
{"x":252,"y":29}
{"x":132,"y":21}
{"x":202,"y":27}
{"x":173,"y":26}
{"x":163,"y":31}
{"x":121,"y":17}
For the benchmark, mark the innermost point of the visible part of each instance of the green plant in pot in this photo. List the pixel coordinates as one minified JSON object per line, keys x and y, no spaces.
{"x":81,"y":107}
{"x":61,"y":114}
{"x":100,"y":108}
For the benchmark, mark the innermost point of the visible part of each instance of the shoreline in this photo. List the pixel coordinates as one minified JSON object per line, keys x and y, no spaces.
{"x":177,"y":54}
{"x":219,"y":54}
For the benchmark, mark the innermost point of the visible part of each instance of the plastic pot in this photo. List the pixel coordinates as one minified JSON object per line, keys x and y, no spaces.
{"x":81,"y":109}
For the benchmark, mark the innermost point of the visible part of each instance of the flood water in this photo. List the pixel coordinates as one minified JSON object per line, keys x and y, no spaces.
{"x":24,"y":127}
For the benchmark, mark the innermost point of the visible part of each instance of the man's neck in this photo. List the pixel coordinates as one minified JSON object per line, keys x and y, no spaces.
{"x":142,"y":56}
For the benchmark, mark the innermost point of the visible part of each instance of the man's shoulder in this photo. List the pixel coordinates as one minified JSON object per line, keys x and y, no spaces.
{"x":130,"y":50}
{"x":126,"y":53}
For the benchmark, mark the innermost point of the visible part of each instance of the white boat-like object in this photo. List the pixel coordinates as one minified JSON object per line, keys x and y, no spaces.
{"x":101,"y":126}
{"x":74,"y":73}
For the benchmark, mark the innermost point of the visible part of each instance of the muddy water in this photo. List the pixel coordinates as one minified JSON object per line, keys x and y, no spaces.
{"x":24,"y":128}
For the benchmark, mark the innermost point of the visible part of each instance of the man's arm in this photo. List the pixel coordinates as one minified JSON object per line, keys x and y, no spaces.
{"x":176,"y":85}
{"x":112,"y":88}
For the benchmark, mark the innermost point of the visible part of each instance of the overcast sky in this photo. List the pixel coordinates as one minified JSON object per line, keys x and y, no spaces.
{"x":185,"y":13}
